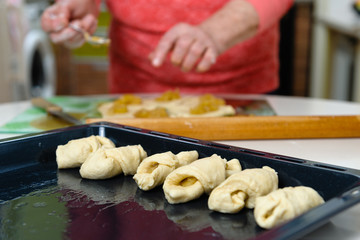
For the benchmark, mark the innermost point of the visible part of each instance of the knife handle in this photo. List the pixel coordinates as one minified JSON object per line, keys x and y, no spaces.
{"x":48,"y":106}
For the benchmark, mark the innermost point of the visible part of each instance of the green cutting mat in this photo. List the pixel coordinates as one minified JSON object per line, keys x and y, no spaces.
{"x":81,"y":105}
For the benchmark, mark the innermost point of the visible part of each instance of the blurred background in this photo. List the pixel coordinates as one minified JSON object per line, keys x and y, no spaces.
{"x":319,"y":53}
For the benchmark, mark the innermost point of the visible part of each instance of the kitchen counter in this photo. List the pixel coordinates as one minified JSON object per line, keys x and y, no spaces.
{"x":342,"y":151}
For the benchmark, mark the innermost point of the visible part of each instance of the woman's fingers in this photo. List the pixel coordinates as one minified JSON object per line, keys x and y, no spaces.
{"x":89,"y":23}
{"x":194,"y":54}
{"x":72,"y":38}
{"x":180,"y":49}
{"x":157,"y":57}
{"x":189,"y":47}
{"x":208,"y":59}
{"x":55,"y":18}
{"x":55,"y":21}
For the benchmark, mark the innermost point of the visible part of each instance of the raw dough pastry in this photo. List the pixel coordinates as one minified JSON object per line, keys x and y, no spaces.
{"x":175,"y":107}
{"x":232,"y":166}
{"x":75,"y":152}
{"x":191,"y":181}
{"x":153,"y":170}
{"x":242,"y":188}
{"x":182,"y":108}
{"x":107,"y":163}
{"x":285,"y":204}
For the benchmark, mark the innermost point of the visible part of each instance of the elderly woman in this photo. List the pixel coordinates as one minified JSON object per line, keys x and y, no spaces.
{"x":207,"y":46}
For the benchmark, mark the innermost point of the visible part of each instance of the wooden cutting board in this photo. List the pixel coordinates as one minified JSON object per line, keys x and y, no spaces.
{"x":245,"y":127}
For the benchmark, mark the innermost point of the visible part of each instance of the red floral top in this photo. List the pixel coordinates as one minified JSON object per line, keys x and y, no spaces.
{"x":137,"y":25}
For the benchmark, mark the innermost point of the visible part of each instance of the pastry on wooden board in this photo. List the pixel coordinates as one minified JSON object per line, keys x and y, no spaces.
{"x":169,"y":104}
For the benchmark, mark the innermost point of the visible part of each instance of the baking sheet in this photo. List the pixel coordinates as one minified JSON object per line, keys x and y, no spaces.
{"x":40,"y":202}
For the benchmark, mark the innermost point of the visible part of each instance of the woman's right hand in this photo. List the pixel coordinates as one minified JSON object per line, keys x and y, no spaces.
{"x":56,"y":19}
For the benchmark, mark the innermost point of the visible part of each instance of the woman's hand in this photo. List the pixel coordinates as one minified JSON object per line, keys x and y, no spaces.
{"x":190,"y":46}
{"x":198,"y":46}
{"x":56,"y":19}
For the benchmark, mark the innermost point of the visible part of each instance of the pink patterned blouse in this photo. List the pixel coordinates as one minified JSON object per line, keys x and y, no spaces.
{"x":137,"y":25}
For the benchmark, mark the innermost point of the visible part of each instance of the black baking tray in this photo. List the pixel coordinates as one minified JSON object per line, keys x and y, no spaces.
{"x":38,"y":201}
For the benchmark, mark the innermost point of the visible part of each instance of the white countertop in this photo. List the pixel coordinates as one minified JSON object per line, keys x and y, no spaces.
{"x":342,"y":151}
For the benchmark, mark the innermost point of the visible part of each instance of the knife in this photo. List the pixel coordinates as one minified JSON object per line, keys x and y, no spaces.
{"x":54,"y":110}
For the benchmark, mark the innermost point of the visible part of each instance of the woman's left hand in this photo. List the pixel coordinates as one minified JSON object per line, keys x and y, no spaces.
{"x":189,"y":46}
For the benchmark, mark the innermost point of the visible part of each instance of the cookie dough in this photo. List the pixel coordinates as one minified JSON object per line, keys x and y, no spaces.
{"x":285,"y":204}
{"x":153,"y":170}
{"x":242,"y":188}
{"x":75,"y":152}
{"x":107,"y":163}
{"x":191,"y":181}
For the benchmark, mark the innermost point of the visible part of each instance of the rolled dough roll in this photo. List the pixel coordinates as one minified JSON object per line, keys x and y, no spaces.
{"x":232,"y":166}
{"x":242,"y":188}
{"x":75,"y":152}
{"x":191,"y":181}
{"x":285,"y":204}
{"x":153,"y":170}
{"x":107,"y":163}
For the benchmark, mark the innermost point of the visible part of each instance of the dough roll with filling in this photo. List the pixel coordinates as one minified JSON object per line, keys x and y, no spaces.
{"x":242,"y":188}
{"x":76,"y":151}
{"x":153,"y":170}
{"x":191,"y":181}
{"x":107,"y":163}
{"x":285,"y":204}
